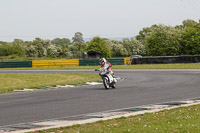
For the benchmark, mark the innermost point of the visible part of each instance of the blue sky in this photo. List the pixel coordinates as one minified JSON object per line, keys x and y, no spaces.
{"x":48,"y":19}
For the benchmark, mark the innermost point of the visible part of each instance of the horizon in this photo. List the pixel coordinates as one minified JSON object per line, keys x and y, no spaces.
{"x":87,"y":39}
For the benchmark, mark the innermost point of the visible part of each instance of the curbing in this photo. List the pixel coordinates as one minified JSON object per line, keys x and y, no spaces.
{"x":64,"y":86}
{"x":59,"y":86}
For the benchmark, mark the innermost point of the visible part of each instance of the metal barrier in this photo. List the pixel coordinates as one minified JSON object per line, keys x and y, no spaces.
{"x":167,"y":59}
{"x":89,"y":62}
{"x":55,"y":63}
{"x":95,"y":62}
{"x":15,"y":64}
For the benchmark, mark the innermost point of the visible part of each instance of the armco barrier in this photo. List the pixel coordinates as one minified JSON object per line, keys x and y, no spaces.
{"x":95,"y":62}
{"x":55,"y":63}
{"x":89,"y":62}
{"x":167,"y":60}
{"x":117,"y":61}
{"x":15,"y":64}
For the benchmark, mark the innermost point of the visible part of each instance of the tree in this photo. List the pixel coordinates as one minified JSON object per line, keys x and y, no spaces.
{"x":63,"y":43}
{"x":190,"y":41}
{"x":19,"y":47}
{"x":76,"y":49}
{"x":98,"y":44}
{"x":144,"y":32}
{"x":190,"y":23}
{"x":117,"y":49}
{"x":134,"y":47}
{"x":10,"y":49}
{"x":78,"y":37}
{"x":77,"y":46}
{"x":53,"y":51}
{"x":38,"y":48}
{"x":18,"y":42}
{"x":3,"y":49}
{"x":163,"y":41}
{"x":1,"y":42}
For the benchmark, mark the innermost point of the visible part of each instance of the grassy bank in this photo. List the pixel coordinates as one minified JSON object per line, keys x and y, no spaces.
{"x":141,"y":66}
{"x":10,"y":82}
{"x":180,"y":120}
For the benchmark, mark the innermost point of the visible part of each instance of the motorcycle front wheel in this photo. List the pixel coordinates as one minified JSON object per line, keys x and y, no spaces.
{"x":106,"y":82}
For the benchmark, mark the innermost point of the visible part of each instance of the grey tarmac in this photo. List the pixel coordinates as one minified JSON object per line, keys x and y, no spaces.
{"x":139,"y":87}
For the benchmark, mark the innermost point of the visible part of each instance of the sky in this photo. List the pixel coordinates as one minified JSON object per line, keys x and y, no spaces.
{"x":49,"y":19}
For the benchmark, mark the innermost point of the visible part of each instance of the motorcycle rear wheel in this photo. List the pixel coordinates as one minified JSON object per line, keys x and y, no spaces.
{"x":114,"y":86}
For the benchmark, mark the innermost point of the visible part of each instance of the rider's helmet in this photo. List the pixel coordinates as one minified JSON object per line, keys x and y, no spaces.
{"x":102,"y":61}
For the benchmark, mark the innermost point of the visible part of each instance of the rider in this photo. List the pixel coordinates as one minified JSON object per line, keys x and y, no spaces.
{"x":106,"y":65}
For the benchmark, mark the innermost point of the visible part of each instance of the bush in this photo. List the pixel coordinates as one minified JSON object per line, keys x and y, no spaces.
{"x":9,"y":49}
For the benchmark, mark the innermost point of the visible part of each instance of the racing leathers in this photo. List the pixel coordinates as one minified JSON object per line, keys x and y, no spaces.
{"x":108,"y":66}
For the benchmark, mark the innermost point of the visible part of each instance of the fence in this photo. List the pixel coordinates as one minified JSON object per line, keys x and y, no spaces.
{"x":95,"y":62}
{"x":167,"y":60}
{"x":89,"y":62}
{"x":15,"y":64}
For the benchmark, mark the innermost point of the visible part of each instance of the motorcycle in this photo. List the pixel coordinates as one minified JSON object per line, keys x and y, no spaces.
{"x":108,"y":79}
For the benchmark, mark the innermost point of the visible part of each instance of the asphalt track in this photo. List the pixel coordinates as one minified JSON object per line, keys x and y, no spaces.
{"x":139,"y":87}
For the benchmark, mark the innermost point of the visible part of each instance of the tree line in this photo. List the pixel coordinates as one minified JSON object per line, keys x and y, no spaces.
{"x":157,"y":40}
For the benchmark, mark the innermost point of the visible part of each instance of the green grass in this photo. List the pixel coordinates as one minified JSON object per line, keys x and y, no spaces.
{"x":10,"y":82}
{"x":180,"y":120}
{"x":141,"y":66}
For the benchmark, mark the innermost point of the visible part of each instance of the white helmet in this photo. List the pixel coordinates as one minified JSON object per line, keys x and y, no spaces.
{"x":102,"y":61}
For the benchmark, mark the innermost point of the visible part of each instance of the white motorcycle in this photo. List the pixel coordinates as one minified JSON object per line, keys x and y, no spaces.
{"x":108,"y":79}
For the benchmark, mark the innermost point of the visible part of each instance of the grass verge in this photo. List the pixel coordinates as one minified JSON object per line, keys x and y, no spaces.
{"x":141,"y":66}
{"x":183,"y":119}
{"x":10,"y":82}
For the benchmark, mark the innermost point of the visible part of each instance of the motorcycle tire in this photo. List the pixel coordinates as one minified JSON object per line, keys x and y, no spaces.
{"x":105,"y":83}
{"x":114,"y":86}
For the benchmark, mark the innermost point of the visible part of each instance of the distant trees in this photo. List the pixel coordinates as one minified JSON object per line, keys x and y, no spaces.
{"x":126,"y":47}
{"x":98,"y":44}
{"x":156,"y":40}
{"x":44,"y":48}
{"x":78,"y":37}
{"x":162,"y":40}
{"x":63,"y":43}
{"x":190,"y":39}
{"x":38,"y":48}
{"x":134,"y":47}
{"x":116,"y":47}
{"x":7,"y":49}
